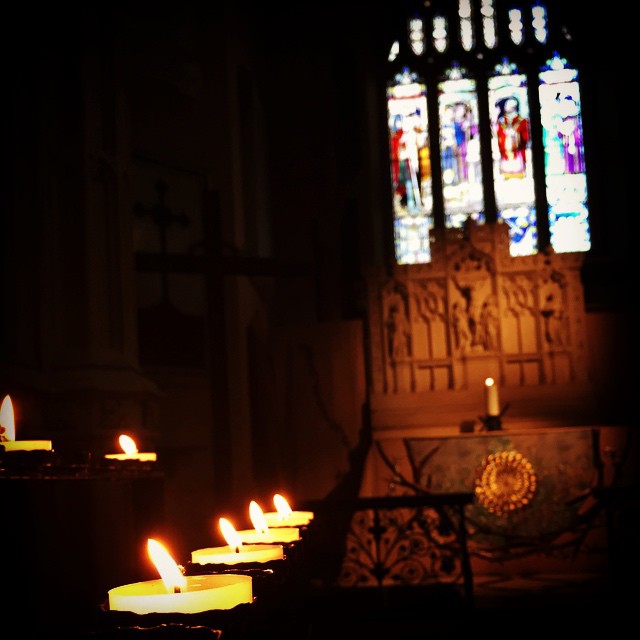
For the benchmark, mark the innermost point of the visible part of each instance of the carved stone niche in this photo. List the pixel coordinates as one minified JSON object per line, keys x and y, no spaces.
{"x":438,"y":330}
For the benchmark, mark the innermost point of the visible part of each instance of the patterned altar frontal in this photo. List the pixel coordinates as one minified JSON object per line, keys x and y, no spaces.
{"x":529,"y":487}
{"x":532,"y":499}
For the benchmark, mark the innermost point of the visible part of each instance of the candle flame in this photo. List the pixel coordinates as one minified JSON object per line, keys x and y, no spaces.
{"x":7,"y":422}
{"x":282,"y":506}
{"x":489,"y":382}
{"x":233,"y":538}
{"x":172,"y":577}
{"x":128,"y":444}
{"x":257,"y":518}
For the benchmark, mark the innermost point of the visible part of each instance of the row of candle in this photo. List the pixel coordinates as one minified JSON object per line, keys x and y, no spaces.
{"x":176,"y":592}
{"x":8,"y":432}
{"x":128,"y":445}
{"x":9,"y":442}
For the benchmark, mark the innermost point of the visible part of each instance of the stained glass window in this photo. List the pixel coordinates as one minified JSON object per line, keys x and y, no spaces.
{"x":410,"y":168}
{"x":460,"y":150}
{"x":565,"y":170}
{"x":512,"y":160}
{"x":486,"y":128}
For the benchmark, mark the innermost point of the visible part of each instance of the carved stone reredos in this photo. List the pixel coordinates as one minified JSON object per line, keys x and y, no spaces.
{"x":476,"y":311}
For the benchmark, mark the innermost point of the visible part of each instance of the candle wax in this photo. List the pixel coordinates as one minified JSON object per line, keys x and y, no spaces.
{"x":278,"y":535}
{"x":202,"y":593}
{"x":27,"y":445}
{"x":248,"y":553}
{"x":142,"y":457}
{"x":294,"y":519}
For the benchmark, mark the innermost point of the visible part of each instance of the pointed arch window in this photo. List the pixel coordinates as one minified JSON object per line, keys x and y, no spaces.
{"x":485,"y":125}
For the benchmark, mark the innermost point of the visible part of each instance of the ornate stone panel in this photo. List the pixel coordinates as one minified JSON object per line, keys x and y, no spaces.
{"x":475,"y":311}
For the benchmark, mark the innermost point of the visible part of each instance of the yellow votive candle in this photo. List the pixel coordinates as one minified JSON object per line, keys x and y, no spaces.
{"x":142,"y":457}
{"x":201,"y":593}
{"x":27,"y":445}
{"x":258,"y":553}
{"x":130,"y":451}
{"x":293,"y":519}
{"x":279,"y":535}
{"x":8,"y":431}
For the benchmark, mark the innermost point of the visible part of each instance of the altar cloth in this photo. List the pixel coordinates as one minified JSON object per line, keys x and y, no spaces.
{"x":533,"y":488}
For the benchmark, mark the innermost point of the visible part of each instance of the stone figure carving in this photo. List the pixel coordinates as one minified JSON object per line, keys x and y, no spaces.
{"x":461,"y":329}
{"x":398,"y":327}
{"x":554,"y":319}
{"x":488,"y":327}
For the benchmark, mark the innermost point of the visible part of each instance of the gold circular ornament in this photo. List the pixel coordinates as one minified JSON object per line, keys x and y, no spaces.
{"x":505,"y":481}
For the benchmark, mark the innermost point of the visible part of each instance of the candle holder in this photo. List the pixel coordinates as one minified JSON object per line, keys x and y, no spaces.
{"x":265,"y":576}
{"x":491,"y":423}
{"x":25,"y":462}
{"x":213,"y":624}
{"x":164,"y":631}
{"x":126,"y":466}
{"x":494,"y":423}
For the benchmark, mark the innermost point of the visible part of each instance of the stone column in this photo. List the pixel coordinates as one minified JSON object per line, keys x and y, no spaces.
{"x":68,"y":335}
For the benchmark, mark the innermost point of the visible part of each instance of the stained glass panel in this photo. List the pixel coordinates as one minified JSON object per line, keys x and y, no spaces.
{"x":460,"y":150}
{"x":566,"y":180}
{"x":410,"y":168}
{"x":512,"y":162}
{"x":492,"y":138}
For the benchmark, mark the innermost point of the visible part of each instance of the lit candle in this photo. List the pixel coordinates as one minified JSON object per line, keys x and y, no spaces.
{"x":261,"y":534}
{"x":236,"y":552}
{"x":8,"y":432}
{"x":130,"y":449}
{"x":491,"y":397}
{"x":177,"y":593}
{"x":284,"y":516}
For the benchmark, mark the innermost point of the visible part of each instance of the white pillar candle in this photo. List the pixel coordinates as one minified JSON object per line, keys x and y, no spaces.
{"x":491,"y":397}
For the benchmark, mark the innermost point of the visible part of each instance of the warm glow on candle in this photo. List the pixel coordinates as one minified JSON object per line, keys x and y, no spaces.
{"x":491,"y":397}
{"x":262,"y":533}
{"x":258,"y":520}
{"x":284,"y":516}
{"x":201,"y":593}
{"x":230,"y":535}
{"x":8,"y":431}
{"x":7,"y":421}
{"x":277,"y":535}
{"x":252,"y":553}
{"x":128,"y":444}
{"x":130,"y":449}
{"x":282,"y":506}
{"x":236,"y":552}
{"x":176,"y":593}
{"x":172,"y":577}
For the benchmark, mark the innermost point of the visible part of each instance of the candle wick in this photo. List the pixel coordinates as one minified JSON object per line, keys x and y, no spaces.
{"x":237,"y":549}
{"x":176,"y":589}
